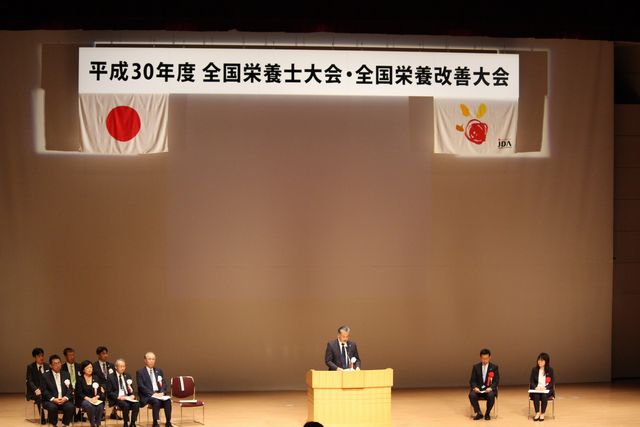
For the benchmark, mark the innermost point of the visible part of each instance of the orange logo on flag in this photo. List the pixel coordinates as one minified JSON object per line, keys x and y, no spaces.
{"x":475,"y":131}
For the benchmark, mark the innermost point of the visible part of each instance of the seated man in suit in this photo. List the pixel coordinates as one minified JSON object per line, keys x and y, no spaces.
{"x":484,"y":382}
{"x":57,"y":393}
{"x":340,"y":352}
{"x":119,"y":388}
{"x":35,"y":371}
{"x":102,"y":368}
{"x":73,"y":369}
{"x":152,"y":386}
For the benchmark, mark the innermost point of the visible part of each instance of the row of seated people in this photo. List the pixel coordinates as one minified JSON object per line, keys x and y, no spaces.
{"x":73,"y":388}
{"x":485,"y":379}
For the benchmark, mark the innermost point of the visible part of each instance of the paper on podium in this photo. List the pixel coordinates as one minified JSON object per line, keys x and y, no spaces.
{"x":539,"y":391}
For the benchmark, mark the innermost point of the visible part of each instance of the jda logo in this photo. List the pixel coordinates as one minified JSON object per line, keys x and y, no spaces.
{"x":504,"y":143}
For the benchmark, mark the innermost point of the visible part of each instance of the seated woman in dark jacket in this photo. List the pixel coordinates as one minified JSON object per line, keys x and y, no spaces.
{"x":88,"y":393}
{"x":541,"y":379}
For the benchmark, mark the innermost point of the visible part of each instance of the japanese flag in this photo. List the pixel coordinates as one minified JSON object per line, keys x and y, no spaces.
{"x":123,"y":123}
{"x":475,"y":127}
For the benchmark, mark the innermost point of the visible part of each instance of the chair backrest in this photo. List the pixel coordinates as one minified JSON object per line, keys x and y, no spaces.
{"x":183,"y":387}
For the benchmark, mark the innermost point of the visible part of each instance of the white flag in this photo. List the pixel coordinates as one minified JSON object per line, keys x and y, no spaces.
{"x":475,"y":128}
{"x":124,"y":123}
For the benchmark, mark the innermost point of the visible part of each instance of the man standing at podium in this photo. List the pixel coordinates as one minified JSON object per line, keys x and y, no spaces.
{"x":341,"y":351}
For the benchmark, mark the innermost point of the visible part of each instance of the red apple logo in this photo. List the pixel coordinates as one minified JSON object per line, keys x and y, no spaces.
{"x":475,"y":131}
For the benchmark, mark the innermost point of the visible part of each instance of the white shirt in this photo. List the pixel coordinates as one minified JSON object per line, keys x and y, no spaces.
{"x":154,"y":380}
{"x":103,"y":367}
{"x":542,"y":378}
{"x":56,"y":377}
{"x":484,"y":373}
{"x":40,"y":368}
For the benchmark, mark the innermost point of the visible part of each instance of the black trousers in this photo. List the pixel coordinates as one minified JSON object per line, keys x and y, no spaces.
{"x":475,"y":397}
{"x":67,"y":409}
{"x":539,"y":398}
{"x":133,"y":407}
{"x":156,"y":404}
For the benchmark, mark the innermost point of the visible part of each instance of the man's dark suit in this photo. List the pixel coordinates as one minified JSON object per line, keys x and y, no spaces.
{"x":77,"y":369}
{"x":113,"y":389}
{"x":334,"y":357}
{"x":34,"y":380}
{"x":97,"y":370}
{"x":50,"y":390}
{"x":492,"y":380}
{"x":76,"y":366}
{"x":145,"y":392}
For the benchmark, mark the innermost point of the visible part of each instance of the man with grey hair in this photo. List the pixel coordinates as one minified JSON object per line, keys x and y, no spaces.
{"x":120,"y":393}
{"x":152,"y":389}
{"x":341,"y":353}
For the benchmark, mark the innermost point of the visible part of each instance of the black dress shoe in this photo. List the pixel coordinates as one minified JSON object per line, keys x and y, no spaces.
{"x":478,"y":416}
{"x":487,"y":416}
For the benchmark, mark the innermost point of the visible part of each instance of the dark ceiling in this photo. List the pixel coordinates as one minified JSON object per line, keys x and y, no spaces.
{"x":609,"y":21}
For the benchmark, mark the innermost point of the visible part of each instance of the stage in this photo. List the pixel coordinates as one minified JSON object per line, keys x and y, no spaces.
{"x":601,"y":404}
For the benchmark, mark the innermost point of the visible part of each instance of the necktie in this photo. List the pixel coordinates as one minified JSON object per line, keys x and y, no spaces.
{"x":122,"y":385}
{"x":484,"y":374}
{"x":345,"y":356}
{"x":104,"y":369}
{"x":40,"y":369}
{"x":72,"y":372}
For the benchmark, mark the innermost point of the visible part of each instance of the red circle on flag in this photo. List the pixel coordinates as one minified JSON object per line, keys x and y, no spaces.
{"x":123,"y":123}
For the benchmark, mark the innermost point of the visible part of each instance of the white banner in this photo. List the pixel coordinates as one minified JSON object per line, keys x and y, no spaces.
{"x":475,"y":128}
{"x":483,"y":76}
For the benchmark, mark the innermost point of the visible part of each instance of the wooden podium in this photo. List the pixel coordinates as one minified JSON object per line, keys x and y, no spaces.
{"x":350,"y":398}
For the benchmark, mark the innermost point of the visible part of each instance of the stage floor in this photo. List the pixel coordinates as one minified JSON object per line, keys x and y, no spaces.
{"x":577,"y":405}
